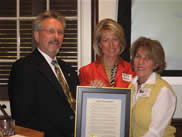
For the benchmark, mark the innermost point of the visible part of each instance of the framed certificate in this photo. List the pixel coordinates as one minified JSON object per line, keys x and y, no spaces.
{"x":103,"y":112}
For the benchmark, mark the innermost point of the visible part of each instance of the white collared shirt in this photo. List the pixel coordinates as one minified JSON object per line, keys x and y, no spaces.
{"x":165,"y":102}
{"x":49,"y":60}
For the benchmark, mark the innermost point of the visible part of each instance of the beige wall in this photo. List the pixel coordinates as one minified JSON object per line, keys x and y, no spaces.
{"x":108,"y":9}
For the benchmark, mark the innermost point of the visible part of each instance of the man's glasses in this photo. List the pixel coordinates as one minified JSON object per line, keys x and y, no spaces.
{"x":53,"y":31}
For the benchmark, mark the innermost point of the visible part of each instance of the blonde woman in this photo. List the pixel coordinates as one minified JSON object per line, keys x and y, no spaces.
{"x":109,"y":70}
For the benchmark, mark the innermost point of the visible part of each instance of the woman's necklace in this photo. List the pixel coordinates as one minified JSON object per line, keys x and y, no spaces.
{"x":111,"y":72}
{"x":139,"y":84}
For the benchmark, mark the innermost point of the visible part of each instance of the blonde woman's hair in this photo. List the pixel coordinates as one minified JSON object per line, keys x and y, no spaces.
{"x":108,"y":25}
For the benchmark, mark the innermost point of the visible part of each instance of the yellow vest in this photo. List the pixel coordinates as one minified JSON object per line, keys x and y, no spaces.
{"x":142,"y":110}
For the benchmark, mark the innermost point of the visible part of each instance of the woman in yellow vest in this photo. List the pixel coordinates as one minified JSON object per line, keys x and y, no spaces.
{"x":154,"y":101}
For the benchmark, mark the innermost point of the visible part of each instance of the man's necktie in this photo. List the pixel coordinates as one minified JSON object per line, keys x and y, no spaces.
{"x":64,"y":85}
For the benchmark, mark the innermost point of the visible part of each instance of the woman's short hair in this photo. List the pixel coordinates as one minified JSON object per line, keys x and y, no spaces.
{"x":152,"y":49}
{"x":108,"y":25}
{"x":48,"y":14}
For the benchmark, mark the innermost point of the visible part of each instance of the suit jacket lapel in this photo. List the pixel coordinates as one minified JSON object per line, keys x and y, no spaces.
{"x":45,"y":69}
{"x":100,"y":70}
{"x":120,"y":70}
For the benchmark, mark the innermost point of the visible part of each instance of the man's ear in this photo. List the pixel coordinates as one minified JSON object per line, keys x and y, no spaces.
{"x":36,"y":36}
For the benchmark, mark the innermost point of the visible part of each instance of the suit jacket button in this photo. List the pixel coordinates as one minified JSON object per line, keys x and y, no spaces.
{"x":71,"y":117}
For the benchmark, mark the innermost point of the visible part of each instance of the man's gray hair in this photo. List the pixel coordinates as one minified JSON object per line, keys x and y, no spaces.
{"x":45,"y":15}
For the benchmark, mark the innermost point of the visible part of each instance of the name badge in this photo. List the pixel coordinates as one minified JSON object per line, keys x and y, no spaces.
{"x":127,"y":77}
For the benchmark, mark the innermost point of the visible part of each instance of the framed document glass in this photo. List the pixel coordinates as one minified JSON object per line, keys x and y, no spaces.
{"x":103,"y":112}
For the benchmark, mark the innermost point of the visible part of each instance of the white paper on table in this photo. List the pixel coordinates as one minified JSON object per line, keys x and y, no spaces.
{"x":103,"y":117}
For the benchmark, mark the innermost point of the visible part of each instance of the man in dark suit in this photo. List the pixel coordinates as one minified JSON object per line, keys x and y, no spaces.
{"x":37,"y":99}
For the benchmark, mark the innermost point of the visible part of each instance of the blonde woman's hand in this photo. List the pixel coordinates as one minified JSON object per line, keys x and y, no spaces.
{"x":97,"y":83}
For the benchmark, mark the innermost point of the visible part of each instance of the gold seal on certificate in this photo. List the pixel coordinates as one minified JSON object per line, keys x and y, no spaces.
{"x":93,"y":136}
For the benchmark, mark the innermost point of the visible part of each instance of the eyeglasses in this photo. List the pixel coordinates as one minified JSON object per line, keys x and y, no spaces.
{"x":53,"y":31}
